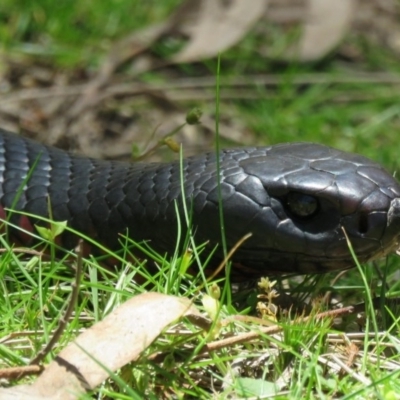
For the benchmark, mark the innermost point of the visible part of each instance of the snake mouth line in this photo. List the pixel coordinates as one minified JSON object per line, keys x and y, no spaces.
{"x":261,"y":265}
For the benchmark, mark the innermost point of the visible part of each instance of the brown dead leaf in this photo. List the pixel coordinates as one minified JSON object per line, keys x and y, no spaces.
{"x":218,"y":25}
{"x":325,"y":24}
{"x":108,"y":345}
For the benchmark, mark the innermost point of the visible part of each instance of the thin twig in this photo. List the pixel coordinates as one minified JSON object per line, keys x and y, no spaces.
{"x":246,"y":337}
{"x":16,"y":373}
{"x":201,"y":83}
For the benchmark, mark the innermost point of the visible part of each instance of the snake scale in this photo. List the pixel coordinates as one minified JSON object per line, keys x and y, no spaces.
{"x":295,"y":199}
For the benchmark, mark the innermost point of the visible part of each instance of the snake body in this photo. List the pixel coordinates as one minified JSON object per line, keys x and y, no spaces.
{"x":295,"y":199}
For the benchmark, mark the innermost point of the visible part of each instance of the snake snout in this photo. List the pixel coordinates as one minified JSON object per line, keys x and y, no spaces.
{"x":374,"y":232}
{"x":371,"y":225}
{"x":376,"y":224}
{"x":365,"y":229}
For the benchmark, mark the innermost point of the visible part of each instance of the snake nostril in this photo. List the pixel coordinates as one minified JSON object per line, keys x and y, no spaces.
{"x":363,"y":223}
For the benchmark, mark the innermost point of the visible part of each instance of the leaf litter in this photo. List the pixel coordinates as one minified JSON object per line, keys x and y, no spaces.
{"x":102,"y":114}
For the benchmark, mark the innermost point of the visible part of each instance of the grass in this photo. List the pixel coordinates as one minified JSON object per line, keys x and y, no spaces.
{"x":304,"y":357}
{"x":316,"y":115}
{"x":55,"y":32}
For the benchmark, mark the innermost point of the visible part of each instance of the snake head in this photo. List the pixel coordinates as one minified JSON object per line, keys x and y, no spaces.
{"x":300,"y":201}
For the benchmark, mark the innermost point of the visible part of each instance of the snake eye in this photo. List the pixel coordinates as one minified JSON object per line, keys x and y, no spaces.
{"x":302,"y":205}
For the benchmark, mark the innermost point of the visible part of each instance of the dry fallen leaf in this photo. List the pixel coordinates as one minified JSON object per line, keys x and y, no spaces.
{"x":217,"y":26}
{"x":108,"y":345}
{"x":325,"y":24}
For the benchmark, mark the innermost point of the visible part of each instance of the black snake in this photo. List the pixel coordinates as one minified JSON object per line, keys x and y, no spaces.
{"x":293,"y":198}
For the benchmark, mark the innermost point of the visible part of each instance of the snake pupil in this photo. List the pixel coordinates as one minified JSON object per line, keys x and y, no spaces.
{"x":302,"y":205}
